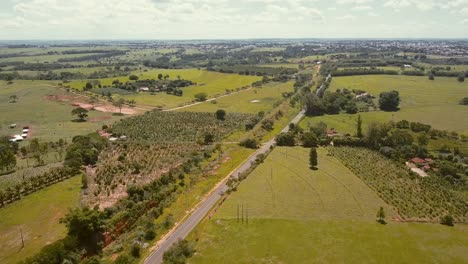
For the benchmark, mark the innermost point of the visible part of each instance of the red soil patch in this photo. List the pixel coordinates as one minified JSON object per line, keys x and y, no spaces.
{"x":83,"y":105}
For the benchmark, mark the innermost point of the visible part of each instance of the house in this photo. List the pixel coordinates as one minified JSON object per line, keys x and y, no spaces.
{"x":407,"y":66}
{"x":418,"y":161}
{"x":144,"y":89}
{"x":12,"y":125}
{"x":362,"y":95}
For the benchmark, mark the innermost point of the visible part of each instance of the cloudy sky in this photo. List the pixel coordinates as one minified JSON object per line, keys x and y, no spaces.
{"x":232,"y":19}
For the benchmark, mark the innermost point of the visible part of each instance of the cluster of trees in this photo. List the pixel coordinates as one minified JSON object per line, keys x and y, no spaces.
{"x":464,"y":101}
{"x":330,"y":103}
{"x":103,"y":55}
{"x":162,"y":84}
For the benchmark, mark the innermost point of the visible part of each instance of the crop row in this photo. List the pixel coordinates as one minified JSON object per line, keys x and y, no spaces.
{"x":413,"y":197}
{"x":157,"y":126}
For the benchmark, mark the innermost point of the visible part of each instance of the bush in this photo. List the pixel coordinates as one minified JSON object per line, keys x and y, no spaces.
{"x":249,"y":143}
{"x":179,"y":252}
{"x":447,"y":220}
{"x":149,"y":234}
{"x":135,"y":251}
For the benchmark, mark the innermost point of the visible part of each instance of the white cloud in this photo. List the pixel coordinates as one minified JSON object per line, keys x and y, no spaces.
{"x":346,"y":17}
{"x":362,"y":8}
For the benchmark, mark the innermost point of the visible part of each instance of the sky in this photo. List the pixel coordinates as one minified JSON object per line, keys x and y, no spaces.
{"x":231,"y":19}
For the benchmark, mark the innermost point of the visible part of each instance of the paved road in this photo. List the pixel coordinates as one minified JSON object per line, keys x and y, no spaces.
{"x":192,"y":221}
{"x":319,"y":90}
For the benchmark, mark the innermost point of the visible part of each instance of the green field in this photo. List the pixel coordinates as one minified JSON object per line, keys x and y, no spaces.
{"x":430,"y":102}
{"x":249,"y":101}
{"x":38,"y":216}
{"x":49,"y":119}
{"x":212,"y":83}
{"x":297,"y":215}
{"x":284,"y":187}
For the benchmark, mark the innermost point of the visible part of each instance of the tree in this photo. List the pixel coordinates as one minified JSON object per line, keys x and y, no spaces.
{"x":461,"y":78}
{"x":88,"y":86}
{"x":389,"y":101}
{"x":351,"y":108}
{"x":286,"y":139}
{"x":313,"y":158}
{"x":209,"y":138}
{"x":133,"y":78}
{"x":359,"y":133}
{"x":119,"y":104}
{"x":7,"y":158}
{"x":313,"y":105}
{"x":160,"y":76}
{"x":464,"y":101}
{"x":200,"y":97}
{"x":431,"y":76}
{"x":220,"y":114}
{"x":85,"y":225}
{"x":309,"y":140}
{"x":13,"y":98}
{"x":381,"y":215}
{"x":81,"y":113}
{"x":423,"y":140}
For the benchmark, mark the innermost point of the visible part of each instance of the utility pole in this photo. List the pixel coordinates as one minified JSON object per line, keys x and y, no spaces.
{"x":242,"y":213}
{"x":247,"y":214}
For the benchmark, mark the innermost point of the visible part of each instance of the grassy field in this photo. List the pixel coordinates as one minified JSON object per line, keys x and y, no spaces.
{"x":250,"y":101}
{"x":297,"y":215}
{"x":430,"y":102}
{"x":49,"y":120}
{"x":38,"y":216}
{"x":280,"y":65}
{"x":284,"y":187}
{"x":287,"y":241}
{"x":212,"y":83}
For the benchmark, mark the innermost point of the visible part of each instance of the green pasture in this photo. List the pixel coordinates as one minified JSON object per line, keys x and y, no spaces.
{"x":49,"y":120}
{"x":37,"y":215}
{"x":248,"y":101}
{"x":284,"y":187}
{"x":299,"y":215}
{"x":430,"y":102}
{"x":44,"y":58}
{"x":288,"y":241}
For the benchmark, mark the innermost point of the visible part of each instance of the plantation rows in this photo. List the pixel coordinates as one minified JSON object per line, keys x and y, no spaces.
{"x":136,"y":164}
{"x":415,"y":198}
{"x":160,"y":126}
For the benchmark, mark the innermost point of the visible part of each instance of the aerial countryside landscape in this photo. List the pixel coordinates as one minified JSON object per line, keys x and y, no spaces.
{"x":255,"y":131}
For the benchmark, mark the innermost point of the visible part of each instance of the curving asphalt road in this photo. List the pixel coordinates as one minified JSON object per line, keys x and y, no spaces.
{"x":181,"y":231}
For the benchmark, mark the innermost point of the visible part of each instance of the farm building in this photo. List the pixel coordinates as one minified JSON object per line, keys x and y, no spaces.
{"x":144,"y":89}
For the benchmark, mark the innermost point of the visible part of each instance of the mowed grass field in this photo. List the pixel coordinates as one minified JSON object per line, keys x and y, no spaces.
{"x":248,"y":101}
{"x":211,"y":83}
{"x":284,"y":187}
{"x":298,"y":215}
{"x":37,"y":215}
{"x":430,"y":102}
{"x":49,"y":119}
